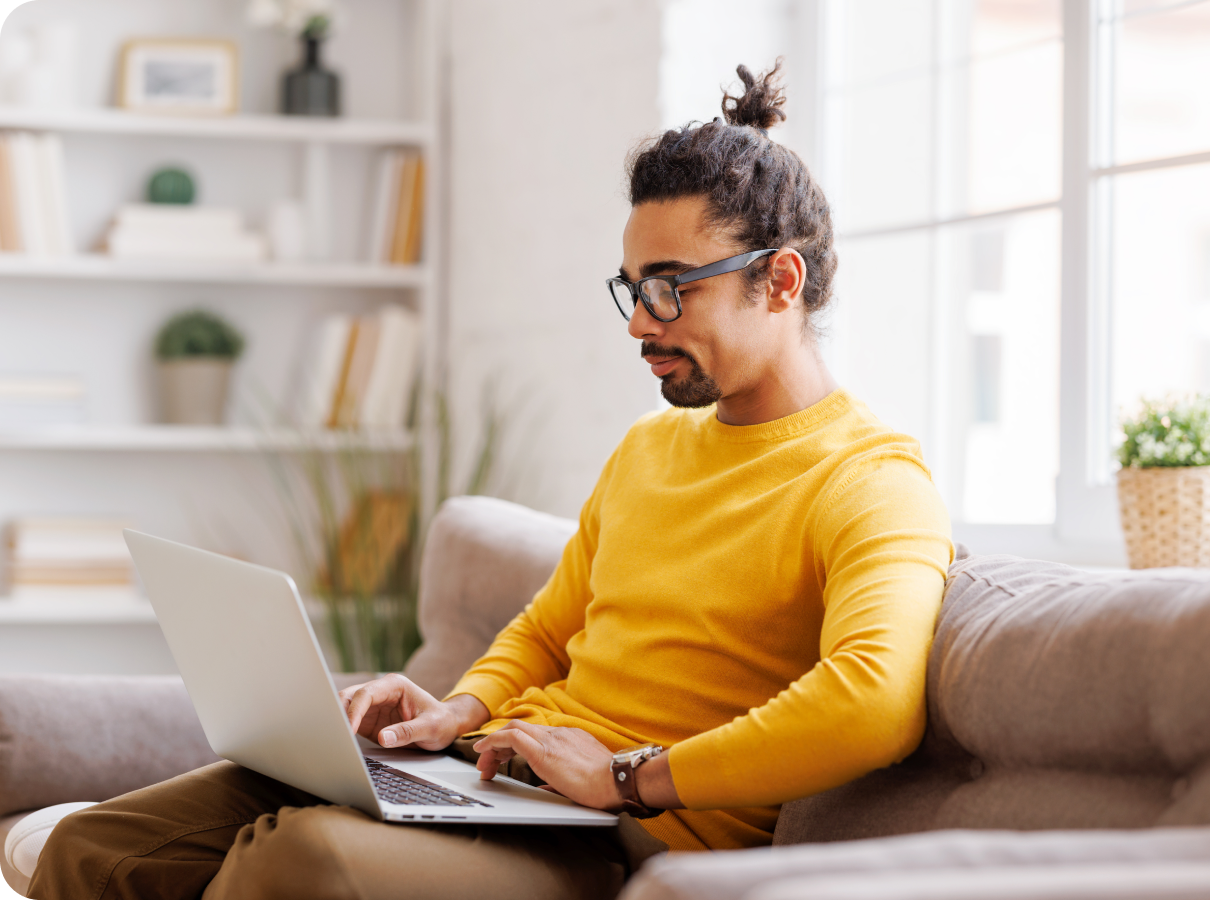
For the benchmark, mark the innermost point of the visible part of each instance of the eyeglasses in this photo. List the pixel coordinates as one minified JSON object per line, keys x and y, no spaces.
{"x":660,"y":293}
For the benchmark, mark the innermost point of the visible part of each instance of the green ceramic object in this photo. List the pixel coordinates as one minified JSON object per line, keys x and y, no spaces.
{"x":171,"y":186}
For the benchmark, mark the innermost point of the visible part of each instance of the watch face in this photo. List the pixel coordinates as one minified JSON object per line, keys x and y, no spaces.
{"x":633,"y":754}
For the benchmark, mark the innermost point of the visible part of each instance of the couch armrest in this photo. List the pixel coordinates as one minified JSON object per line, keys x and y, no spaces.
{"x":10,"y":876}
{"x":65,"y":738}
{"x":484,"y":559}
{"x":740,"y":874}
{"x":69,"y":737}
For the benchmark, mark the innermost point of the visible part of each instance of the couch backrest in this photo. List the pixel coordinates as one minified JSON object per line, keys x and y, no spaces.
{"x":1058,"y":698}
{"x":484,"y":559}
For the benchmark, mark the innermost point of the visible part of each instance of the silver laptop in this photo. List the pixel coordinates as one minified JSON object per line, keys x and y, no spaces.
{"x":256,"y":676}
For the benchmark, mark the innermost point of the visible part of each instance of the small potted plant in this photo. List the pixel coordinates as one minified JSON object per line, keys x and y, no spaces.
{"x":1164,"y":483}
{"x":196,"y":351}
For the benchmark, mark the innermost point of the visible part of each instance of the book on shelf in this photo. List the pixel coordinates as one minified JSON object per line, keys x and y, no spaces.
{"x":67,"y":557}
{"x":34,"y":218}
{"x":363,"y":351}
{"x":324,"y":372}
{"x":36,"y":400}
{"x":397,"y":226}
{"x":150,"y":231}
{"x":361,"y":372}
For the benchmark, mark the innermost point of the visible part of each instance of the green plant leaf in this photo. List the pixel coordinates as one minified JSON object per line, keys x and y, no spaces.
{"x":198,"y":334}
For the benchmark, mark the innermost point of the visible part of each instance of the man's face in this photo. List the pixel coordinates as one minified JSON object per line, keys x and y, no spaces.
{"x":709,"y":352}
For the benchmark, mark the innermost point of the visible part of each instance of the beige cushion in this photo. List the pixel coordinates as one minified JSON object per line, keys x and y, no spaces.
{"x":1057,"y":699}
{"x":872,"y":866}
{"x":1040,"y":665}
{"x":69,"y":738}
{"x":483,"y":561}
{"x":1107,"y":881}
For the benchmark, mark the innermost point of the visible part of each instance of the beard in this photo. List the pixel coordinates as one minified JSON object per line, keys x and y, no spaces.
{"x":694,"y":390}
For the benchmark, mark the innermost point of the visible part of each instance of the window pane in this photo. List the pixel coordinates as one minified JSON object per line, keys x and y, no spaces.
{"x":1004,"y":24}
{"x":986,"y":405}
{"x":1161,"y":71}
{"x":879,"y":38}
{"x":950,"y":332}
{"x":1006,"y":398}
{"x":976,"y":129}
{"x":1015,"y":126}
{"x":882,"y":327}
{"x":887,"y":159}
{"x":1161,"y":284}
{"x":1130,"y":7}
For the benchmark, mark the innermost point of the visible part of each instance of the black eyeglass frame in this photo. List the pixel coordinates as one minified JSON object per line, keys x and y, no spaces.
{"x":722,"y":267}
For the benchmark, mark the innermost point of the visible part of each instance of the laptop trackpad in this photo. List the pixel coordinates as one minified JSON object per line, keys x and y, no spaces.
{"x":470,"y":783}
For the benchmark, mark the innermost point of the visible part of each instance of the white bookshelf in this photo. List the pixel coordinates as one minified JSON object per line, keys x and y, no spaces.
{"x":189,"y":439}
{"x":98,"y":267}
{"x":94,"y":317}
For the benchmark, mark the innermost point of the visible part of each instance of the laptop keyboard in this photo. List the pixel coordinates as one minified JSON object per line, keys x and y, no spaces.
{"x":398,"y":787}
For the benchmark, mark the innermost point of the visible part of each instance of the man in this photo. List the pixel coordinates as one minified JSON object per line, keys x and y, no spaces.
{"x":752,"y":589}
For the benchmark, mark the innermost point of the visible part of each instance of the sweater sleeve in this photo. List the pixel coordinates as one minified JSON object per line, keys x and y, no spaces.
{"x":531,"y":651}
{"x":881,"y":548}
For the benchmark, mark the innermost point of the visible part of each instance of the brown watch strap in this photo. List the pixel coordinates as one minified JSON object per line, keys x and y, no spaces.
{"x":628,"y":787}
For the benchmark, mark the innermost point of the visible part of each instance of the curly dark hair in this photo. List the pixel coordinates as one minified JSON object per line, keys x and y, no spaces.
{"x":759,"y":193}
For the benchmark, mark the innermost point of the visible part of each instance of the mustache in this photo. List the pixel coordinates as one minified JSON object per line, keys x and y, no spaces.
{"x":652,"y":349}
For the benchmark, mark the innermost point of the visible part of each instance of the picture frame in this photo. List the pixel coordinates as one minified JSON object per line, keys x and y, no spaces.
{"x":181,"y":76}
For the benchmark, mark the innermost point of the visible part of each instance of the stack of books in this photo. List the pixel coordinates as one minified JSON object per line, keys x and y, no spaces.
{"x":33,"y":195}
{"x":185,"y":233}
{"x":34,"y":401}
{"x":399,"y":215}
{"x":363,"y":371}
{"x":55,"y":556}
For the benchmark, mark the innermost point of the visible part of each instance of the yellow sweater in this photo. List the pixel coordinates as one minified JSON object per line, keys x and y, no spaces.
{"x":761,"y":599}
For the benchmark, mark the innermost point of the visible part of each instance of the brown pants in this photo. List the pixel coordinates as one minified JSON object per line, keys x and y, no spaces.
{"x":224,"y":832}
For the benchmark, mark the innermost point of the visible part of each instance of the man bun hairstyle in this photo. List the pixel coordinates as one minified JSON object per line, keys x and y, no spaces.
{"x":758,"y":192}
{"x":760,"y":105}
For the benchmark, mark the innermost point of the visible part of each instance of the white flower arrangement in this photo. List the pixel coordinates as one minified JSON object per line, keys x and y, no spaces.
{"x":309,"y":18}
{"x":1171,"y":432}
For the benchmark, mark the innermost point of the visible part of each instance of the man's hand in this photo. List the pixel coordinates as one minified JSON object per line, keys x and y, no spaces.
{"x":397,"y":713}
{"x":570,"y":760}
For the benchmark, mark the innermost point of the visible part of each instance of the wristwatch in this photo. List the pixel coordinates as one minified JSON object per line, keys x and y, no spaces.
{"x":625,"y":763}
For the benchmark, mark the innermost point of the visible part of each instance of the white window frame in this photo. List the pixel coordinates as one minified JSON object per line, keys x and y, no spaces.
{"x":1086,"y":501}
{"x":1086,"y":528}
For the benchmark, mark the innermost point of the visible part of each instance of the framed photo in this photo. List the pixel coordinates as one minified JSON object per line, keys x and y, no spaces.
{"x":179,"y":76}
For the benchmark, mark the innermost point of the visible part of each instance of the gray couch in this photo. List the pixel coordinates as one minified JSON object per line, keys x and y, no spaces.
{"x":1067,"y":755}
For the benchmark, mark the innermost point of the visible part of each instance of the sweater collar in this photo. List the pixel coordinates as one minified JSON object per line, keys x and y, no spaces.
{"x":830,"y":407}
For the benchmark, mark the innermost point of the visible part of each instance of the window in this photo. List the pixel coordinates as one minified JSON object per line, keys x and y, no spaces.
{"x":1022,"y":200}
{"x":943,"y":161}
{"x":1151,"y":204}
{"x":1021,"y":190}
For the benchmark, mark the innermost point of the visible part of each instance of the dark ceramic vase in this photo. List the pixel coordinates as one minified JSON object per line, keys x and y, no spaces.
{"x":310,"y":89}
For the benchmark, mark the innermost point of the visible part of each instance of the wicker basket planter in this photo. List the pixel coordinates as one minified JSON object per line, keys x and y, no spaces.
{"x":1166,"y":516}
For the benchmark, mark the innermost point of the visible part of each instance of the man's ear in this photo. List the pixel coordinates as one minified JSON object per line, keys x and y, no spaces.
{"x":787,"y":277}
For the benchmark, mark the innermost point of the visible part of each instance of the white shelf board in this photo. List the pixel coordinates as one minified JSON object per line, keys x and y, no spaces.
{"x":76,"y":608}
{"x":97,"y":267}
{"x":290,"y":129}
{"x":198,"y":439}
{"x":107,"y":608}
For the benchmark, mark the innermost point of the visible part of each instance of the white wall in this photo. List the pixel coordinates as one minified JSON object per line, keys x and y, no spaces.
{"x":546,"y":99}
